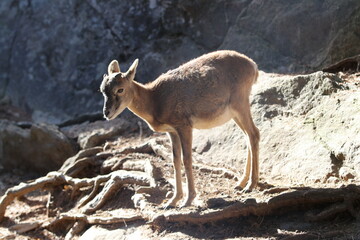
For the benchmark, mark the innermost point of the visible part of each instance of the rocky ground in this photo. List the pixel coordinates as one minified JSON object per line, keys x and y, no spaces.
{"x":114,"y":187}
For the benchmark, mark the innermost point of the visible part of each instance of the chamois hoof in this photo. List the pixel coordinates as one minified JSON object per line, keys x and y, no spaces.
{"x":188,"y":201}
{"x":240,"y":187}
{"x":242,"y":183}
{"x":248,"y":188}
{"x":172,"y":202}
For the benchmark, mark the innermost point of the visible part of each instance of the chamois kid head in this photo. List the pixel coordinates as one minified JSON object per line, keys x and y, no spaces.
{"x":117,"y":88}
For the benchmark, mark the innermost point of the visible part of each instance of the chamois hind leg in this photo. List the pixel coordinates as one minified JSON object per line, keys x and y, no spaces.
{"x":185,"y":135}
{"x":176,"y":146}
{"x":251,"y":172}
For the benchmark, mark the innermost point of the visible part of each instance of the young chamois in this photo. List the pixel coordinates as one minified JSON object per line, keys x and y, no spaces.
{"x":203,"y":93}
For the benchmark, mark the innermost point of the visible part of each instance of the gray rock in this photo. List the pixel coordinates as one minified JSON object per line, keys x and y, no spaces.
{"x":304,"y":121}
{"x":287,"y":36}
{"x":54,"y":55}
{"x":96,"y":133}
{"x":120,"y":233}
{"x":40,"y":147}
{"x":346,"y":173}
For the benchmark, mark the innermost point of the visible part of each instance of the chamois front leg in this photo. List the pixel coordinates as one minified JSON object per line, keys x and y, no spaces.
{"x":185,"y":135}
{"x":176,"y":147}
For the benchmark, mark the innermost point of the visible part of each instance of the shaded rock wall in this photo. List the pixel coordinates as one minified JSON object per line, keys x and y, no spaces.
{"x":54,"y":54}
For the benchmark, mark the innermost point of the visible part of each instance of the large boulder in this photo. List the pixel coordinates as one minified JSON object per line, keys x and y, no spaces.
{"x":34,"y":147}
{"x":54,"y":55}
{"x":97,"y":133}
{"x":309,"y":131}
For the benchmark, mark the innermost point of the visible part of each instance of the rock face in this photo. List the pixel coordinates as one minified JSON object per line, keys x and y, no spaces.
{"x":54,"y":55}
{"x":308,"y":131}
{"x":96,"y":133}
{"x":39,"y":147}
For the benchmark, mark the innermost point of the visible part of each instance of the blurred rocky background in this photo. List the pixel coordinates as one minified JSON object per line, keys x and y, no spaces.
{"x":53,"y":54}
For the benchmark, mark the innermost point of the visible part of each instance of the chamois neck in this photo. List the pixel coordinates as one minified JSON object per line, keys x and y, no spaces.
{"x":141,"y":103}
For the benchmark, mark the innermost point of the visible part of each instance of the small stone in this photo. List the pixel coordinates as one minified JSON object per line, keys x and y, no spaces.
{"x":98,"y":132}
{"x":203,"y":147}
{"x":346,"y":173}
{"x":333,"y":179}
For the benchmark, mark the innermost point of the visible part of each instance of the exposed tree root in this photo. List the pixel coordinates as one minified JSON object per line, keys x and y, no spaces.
{"x":54,"y":179}
{"x":348,"y":205}
{"x":78,"y":222}
{"x":279,"y":204}
{"x":76,"y":229}
{"x":112,"y":185}
{"x":274,"y":190}
{"x":87,"y":157}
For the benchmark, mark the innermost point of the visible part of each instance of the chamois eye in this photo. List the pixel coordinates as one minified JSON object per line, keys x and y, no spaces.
{"x":121,"y":90}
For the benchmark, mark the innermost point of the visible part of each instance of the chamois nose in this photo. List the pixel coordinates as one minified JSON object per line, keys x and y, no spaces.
{"x":106,"y":112}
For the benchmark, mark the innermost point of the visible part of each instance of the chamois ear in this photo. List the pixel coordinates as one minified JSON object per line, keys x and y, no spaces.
{"x":132,"y":70}
{"x":113,"y":67}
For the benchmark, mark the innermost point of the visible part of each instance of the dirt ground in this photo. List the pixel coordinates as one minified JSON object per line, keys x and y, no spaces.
{"x":215,"y":191}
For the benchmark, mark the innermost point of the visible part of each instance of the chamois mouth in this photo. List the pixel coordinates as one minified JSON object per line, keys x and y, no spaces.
{"x":108,"y":118}
{"x":107,"y":115}
{"x":113,"y":113}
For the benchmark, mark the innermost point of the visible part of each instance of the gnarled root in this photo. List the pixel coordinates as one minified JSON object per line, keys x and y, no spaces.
{"x":78,"y":222}
{"x":278,"y":204}
{"x":54,"y":179}
{"x":113,"y":184}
